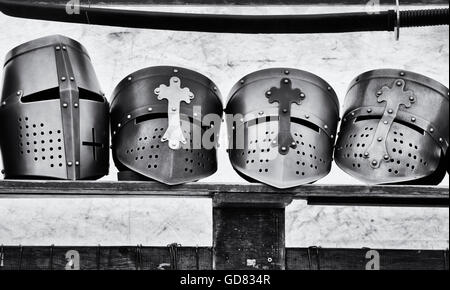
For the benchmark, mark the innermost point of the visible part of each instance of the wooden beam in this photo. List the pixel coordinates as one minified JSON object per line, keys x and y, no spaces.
{"x":249,"y":231}
{"x":316,"y":194}
{"x":105,"y":258}
{"x":191,"y":258}
{"x":365,"y":259}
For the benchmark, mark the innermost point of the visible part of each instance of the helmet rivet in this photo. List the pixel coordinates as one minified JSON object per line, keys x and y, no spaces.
{"x":75,"y":105}
{"x":329,"y":88}
{"x":413,"y":119}
{"x":386,"y":157}
{"x":353,"y":114}
{"x":379,"y":139}
{"x":130,"y":78}
{"x":390,"y":111}
{"x":215,"y":88}
{"x":268,"y":93}
{"x":195,"y":115}
{"x":285,"y":111}
{"x":77,"y":163}
{"x":150,"y":109}
{"x":63,"y":79}
{"x":58,"y":48}
{"x":374,"y":162}
{"x":3,"y":103}
{"x":402,"y":74}
{"x":385,"y":122}
{"x":399,"y":83}
{"x":293,"y":143}
{"x":431,"y":130}
{"x":128,"y":116}
{"x":65,"y":105}
{"x":175,"y":80}
{"x":379,"y":93}
{"x":119,"y":125}
{"x":345,"y":120}
{"x":286,"y":72}
{"x":283,"y":148}
{"x":286,"y":81}
{"x":369,"y":110}
{"x":175,"y":70}
{"x":114,"y":132}
{"x":70,"y":163}
{"x":307,"y":116}
{"x":72,"y":79}
{"x":274,"y":142}
{"x":64,"y":48}
{"x":174,"y":109}
{"x":441,"y":140}
{"x":411,"y":99}
{"x":325,"y":126}
{"x":242,"y":81}
{"x":302,"y":95}
{"x":366,"y":154}
{"x":19,"y":93}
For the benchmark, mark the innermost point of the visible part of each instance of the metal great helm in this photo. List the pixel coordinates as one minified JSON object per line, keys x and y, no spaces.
{"x":159,"y":127}
{"x":395,"y":128}
{"x":53,"y":116}
{"x":283,"y":128}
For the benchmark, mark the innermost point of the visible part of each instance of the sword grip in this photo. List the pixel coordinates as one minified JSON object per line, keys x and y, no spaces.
{"x":428,"y":17}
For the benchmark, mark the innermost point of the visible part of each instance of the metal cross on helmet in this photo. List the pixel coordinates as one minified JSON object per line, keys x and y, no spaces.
{"x":395,"y":128}
{"x":283,"y":127}
{"x":158,"y":125}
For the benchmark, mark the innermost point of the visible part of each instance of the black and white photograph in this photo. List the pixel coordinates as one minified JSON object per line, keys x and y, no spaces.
{"x":229,"y":142}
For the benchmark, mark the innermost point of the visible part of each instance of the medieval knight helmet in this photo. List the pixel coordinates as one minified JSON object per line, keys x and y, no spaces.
{"x":53,"y":116}
{"x":395,"y":128}
{"x":283,"y":127}
{"x":161,"y":126}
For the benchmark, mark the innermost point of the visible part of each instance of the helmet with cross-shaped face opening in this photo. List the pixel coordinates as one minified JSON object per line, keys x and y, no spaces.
{"x":53,"y":116}
{"x":282,"y":125}
{"x":395,"y":128}
{"x":165,"y":124}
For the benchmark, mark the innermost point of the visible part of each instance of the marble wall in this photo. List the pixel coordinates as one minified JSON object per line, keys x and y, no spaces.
{"x":225,"y":58}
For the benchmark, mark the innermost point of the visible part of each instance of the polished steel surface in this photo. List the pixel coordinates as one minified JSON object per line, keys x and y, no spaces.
{"x":53,"y":116}
{"x":395,"y":128}
{"x":158,"y":124}
{"x":288,"y":127}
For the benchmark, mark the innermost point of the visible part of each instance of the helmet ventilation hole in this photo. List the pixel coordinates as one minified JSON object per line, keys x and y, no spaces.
{"x":33,"y":142}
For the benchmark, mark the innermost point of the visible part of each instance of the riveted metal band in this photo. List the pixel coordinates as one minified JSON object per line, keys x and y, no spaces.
{"x":397,"y":101}
{"x":272,"y":114}
{"x":428,"y":128}
{"x":69,"y":97}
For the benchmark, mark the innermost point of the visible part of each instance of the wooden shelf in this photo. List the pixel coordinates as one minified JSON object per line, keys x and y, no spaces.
{"x":248,"y":227}
{"x":314,"y":194}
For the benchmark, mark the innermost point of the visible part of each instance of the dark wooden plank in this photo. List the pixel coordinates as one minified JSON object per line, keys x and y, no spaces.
{"x":323,"y":194}
{"x":154,"y":258}
{"x":249,"y":238}
{"x":255,"y":2}
{"x":365,"y":259}
{"x":105,"y":258}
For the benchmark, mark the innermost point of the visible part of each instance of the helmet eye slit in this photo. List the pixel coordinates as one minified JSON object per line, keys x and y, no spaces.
{"x":50,"y":94}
